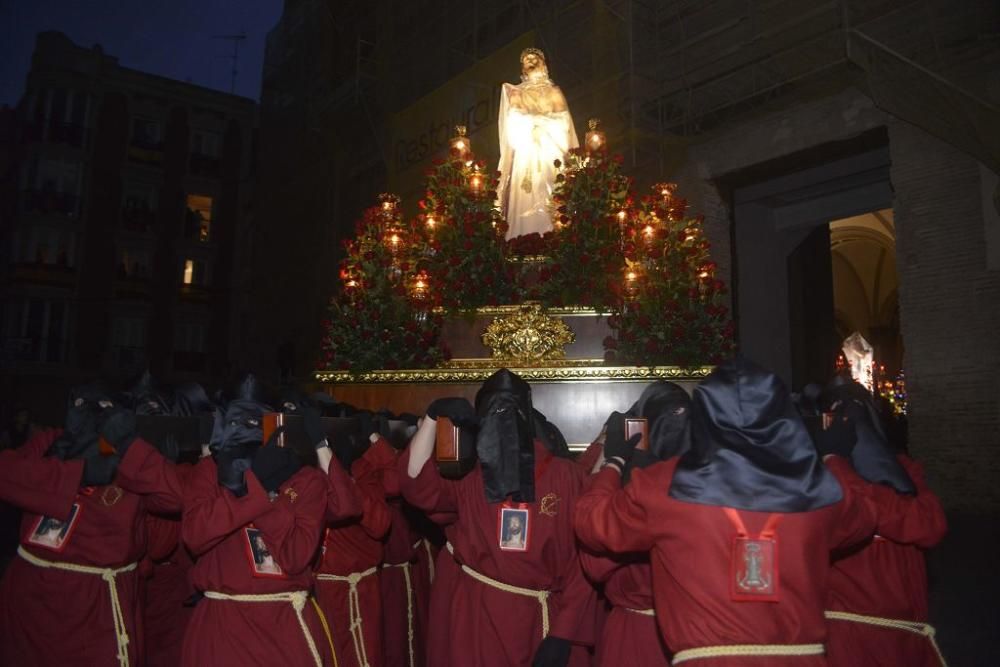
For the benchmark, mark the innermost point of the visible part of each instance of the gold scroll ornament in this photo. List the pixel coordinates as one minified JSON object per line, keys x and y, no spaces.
{"x":527,"y":336}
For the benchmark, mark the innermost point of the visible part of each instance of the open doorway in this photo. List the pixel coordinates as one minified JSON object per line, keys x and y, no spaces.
{"x":866,"y":286}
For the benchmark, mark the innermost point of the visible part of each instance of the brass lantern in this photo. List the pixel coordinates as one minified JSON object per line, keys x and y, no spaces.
{"x":595,"y":140}
{"x":460,"y":143}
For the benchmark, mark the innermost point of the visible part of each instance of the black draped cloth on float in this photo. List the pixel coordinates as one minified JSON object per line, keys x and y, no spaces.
{"x":505,"y":439}
{"x":750,"y":449}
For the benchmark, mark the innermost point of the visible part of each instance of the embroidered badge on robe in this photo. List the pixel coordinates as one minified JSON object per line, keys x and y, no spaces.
{"x":754,"y":570}
{"x":54,"y":534}
{"x":262,"y":562}
{"x":111,"y":495}
{"x":550,"y":504}
{"x":514,"y":526}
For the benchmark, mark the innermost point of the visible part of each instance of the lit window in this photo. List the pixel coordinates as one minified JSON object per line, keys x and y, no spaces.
{"x":198,"y":224}
{"x":196,"y":272}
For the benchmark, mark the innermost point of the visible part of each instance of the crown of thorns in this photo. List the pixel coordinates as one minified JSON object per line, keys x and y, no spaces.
{"x":532,"y":50}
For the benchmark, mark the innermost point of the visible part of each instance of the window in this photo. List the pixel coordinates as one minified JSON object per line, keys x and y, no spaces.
{"x":42,"y":245}
{"x":205,"y":143}
{"x":36,"y":330}
{"x":139,"y":207}
{"x":190,"y":337}
{"x":128,"y":340}
{"x":133,"y":263}
{"x":195,"y":273}
{"x":198,"y":220}
{"x":61,"y":176}
{"x":146,"y":133}
{"x":189,"y":346}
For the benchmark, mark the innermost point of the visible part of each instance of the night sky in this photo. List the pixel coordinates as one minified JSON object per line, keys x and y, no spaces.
{"x":171,"y":38}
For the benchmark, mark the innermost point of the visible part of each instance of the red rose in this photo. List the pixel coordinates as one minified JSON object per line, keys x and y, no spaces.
{"x":610,"y":343}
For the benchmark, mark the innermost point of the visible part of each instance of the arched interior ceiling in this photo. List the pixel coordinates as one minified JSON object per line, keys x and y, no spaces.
{"x":865,"y":283}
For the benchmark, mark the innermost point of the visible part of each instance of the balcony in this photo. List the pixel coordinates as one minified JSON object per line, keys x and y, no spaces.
{"x":40,"y":273}
{"x":138,"y":219}
{"x":128,"y":357}
{"x":32,"y":349}
{"x":70,"y":134}
{"x":145,"y":151}
{"x":48,"y":202}
{"x":205,"y":165}
{"x":132,"y":286}
{"x":186,"y":360}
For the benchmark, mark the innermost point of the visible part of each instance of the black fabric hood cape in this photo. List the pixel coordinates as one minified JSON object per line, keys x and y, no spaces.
{"x":750,"y":449}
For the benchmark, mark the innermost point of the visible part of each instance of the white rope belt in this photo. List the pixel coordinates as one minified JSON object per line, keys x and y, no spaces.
{"x":755,"y":650}
{"x":916,"y":627}
{"x":430,"y":555}
{"x":109,"y":575}
{"x":644,"y":612}
{"x":409,"y":605}
{"x":298,"y":600}
{"x":354,"y":606}
{"x":541,"y":596}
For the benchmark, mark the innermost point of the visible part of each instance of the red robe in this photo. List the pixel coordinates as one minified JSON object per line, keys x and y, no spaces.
{"x":55,"y":617}
{"x":355,"y":546}
{"x":491,"y":627}
{"x":588,"y":459}
{"x":403,"y":582}
{"x":166,"y":587}
{"x":37,"y":484}
{"x":224,"y":632}
{"x":888,"y":578}
{"x":690,"y":547}
{"x":627,"y":637}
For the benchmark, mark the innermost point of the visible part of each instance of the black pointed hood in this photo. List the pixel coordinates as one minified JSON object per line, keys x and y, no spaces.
{"x":191,"y":399}
{"x":667,"y":409}
{"x":146,"y":398}
{"x":505,"y":440}
{"x":749,"y":447}
{"x":873,"y":457}
{"x":550,"y":436}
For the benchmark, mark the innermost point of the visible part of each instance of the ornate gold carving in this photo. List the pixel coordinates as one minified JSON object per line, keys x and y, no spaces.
{"x":477,"y":370}
{"x":527,"y":336}
{"x":559,"y":311}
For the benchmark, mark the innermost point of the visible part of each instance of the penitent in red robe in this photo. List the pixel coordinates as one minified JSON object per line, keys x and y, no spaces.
{"x":214,"y":528}
{"x":629,"y":635}
{"x":166,"y":587}
{"x":403,"y":578}
{"x":887,"y":578}
{"x":690,"y":547}
{"x":354,"y":545}
{"x":54,"y":617}
{"x":490,"y":627}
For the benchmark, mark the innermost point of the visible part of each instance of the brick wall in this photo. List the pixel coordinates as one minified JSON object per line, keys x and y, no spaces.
{"x":950,"y":312}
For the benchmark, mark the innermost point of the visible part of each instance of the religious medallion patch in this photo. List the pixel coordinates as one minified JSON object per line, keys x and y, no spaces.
{"x":754,"y":568}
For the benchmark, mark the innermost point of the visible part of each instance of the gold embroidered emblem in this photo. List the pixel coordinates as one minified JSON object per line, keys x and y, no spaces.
{"x":292,"y":494}
{"x":111,"y":495}
{"x":550,"y":504}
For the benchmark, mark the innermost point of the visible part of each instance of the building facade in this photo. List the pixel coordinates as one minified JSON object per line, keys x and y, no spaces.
{"x":128,"y":223}
{"x":835,"y":149}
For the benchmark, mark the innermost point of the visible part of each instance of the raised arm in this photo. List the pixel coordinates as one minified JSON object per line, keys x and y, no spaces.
{"x":39,"y":485}
{"x":212,"y":512}
{"x":609,"y":518}
{"x":293,"y":526}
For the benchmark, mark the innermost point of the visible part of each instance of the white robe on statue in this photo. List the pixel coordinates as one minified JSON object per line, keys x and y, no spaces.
{"x":536,"y":129}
